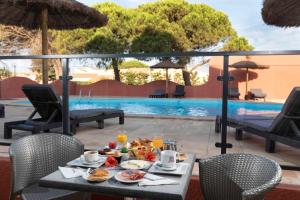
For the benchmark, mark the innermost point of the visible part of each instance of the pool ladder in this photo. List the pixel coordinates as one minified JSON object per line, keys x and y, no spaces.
{"x":89,"y":97}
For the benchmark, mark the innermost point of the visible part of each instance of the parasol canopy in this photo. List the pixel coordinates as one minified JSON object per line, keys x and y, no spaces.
{"x":247,"y":65}
{"x":283,"y":13}
{"x":167,"y":64}
{"x":53,"y":14}
{"x":62,"y":14}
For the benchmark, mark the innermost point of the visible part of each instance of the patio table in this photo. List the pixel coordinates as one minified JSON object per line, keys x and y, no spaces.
{"x":115,"y":188}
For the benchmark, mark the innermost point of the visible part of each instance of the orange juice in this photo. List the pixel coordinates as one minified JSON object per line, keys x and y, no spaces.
{"x":157,"y":142}
{"x":122,"y":138}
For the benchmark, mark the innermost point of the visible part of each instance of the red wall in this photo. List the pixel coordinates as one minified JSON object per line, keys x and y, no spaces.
{"x":211,"y":89}
{"x":277,"y":81}
{"x":11,"y":88}
{"x":115,"y":88}
{"x":58,"y":87}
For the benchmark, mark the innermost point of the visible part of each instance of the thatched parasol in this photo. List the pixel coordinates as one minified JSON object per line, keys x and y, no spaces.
{"x":247,"y":65}
{"x":281,"y":12}
{"x":167,"y":64}
{"x":53,"y":14}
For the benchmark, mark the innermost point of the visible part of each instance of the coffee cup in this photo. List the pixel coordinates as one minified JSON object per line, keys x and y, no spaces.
{"x":89,"y":156}
{"x":168,"y":158}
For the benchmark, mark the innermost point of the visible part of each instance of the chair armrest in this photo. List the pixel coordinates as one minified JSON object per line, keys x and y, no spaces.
{"x":260,"y":190}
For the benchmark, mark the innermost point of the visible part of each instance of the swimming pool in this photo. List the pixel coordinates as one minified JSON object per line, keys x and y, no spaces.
{"x":175,"y":107}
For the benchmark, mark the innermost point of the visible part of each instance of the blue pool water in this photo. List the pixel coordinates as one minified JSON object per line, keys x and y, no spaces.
{"x":177,"y":107}
{"x":174,"y":107}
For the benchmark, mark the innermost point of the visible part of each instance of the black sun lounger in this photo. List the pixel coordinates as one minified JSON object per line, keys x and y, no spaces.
{"x":49,"y":107}
{"x":233,"y":93}
{"x":179,"y":91}
{"x":2,"y":111}
{"x":283,"y":128}
{"x":159,"y":94}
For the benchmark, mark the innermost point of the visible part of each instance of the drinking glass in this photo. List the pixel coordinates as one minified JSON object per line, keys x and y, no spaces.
{"x":157,"y":143}
{"x":122,"y":139}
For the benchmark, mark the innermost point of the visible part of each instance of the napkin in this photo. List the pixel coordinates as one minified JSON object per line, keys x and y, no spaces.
{"x":69,"y":172}
{"x":165,"y":181}
{"x":153,"y":177}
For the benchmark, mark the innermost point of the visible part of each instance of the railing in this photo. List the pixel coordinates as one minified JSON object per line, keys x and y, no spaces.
{"x":225,"y":77}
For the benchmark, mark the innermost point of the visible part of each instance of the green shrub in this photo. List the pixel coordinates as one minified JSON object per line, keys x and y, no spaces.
{"x":134,"y":78}
{"x":158,"y":76}
{"x":132,"y":64}
{"x":5,"y":73}
{"x":178,"y":78}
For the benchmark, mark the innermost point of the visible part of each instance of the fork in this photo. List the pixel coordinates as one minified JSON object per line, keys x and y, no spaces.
{"x":90,"y":171}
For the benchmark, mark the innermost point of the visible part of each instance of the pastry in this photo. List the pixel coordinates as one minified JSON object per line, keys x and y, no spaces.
{"x":98,"y":175}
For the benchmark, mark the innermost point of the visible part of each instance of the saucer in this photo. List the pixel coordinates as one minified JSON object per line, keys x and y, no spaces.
{"x":159,"y":165}
{"x":90,"y":163}
{"x":78,"y":163}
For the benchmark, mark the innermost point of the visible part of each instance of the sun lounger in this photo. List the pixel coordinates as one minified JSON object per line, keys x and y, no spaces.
{"x":283,"y":128}
{"x":257,"y":94}
{"x":233,"y":93}
{"x":99,"y":115}
{"x":158,"y":94}
{"x":179,"y":91}
{"x":49,"y":107}
{"x":2,"y":111}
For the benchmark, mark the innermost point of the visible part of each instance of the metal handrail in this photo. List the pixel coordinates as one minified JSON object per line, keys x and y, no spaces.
{"x":225,"y":78}
{"x":147,"y":55}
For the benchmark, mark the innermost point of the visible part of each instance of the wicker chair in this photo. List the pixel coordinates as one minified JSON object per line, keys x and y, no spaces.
{"x":36,"y":156}
{"x":238,"y":177}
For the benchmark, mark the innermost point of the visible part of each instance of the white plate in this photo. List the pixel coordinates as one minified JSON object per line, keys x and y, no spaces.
{"x":135,"y":164}
{"x":159,"y":166}
{"x":85,"y":177}
{"x":121,"y":179}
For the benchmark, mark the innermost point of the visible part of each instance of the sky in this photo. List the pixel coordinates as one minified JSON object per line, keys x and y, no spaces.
{"x":245,"y":16}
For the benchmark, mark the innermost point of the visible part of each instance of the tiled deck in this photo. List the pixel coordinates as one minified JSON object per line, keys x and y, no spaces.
{"x":194,"y":136}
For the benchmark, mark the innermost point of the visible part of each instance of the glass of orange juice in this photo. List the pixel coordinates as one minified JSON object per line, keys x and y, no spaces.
{"x":122,"y":138}
{"x":157,"y":143}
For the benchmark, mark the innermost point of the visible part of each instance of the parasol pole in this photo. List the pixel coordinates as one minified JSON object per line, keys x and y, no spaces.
{"x":44,"y":27}
{"x":167,"y":82}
